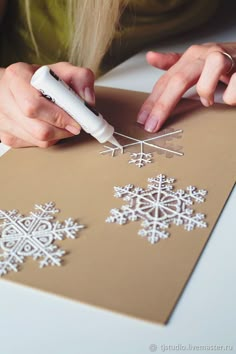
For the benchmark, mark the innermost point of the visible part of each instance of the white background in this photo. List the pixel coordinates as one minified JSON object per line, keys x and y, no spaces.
{"x":35,"y":322}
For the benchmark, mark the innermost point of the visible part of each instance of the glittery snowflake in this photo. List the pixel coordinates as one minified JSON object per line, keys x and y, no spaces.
{"x":159,"y":206}
{"x":33,"y":236}
{"x":140,"y":157}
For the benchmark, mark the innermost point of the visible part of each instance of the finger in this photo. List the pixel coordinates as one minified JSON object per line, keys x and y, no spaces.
{"x":15,"y":142}
{"x":80,"y":79}
{"x":23,"y":70}
{"x":33,"y":105}
{"x":42,"y":131}
{"x":178,"y":84}
{"x":12,"y":135}
{"x":36,"y":132}
{"x":162,"y":60}
{"x":229,"y":95}
{"x":160,"y":87}
{"x":39,"y":130}
{"x":148,"y":104}
{"x":216,"y":64}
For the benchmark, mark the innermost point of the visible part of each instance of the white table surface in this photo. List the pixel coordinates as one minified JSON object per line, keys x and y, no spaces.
{"x":35,"y":322}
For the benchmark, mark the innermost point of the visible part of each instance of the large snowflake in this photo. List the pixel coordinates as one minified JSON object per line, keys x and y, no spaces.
{"x":33,"y":235}
{"x":158,"y":206}
{"x":156,"y":143}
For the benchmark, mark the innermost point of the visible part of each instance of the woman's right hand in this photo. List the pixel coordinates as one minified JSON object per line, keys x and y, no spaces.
{"x":26,"y":117}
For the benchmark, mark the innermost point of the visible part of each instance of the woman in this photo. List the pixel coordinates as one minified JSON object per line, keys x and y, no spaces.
{"x":98,"y":34}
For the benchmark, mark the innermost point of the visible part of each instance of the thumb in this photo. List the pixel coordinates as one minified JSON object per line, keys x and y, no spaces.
{"x":162,"y":60}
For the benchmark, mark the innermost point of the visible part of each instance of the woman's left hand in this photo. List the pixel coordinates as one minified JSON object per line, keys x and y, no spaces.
{"x":204,"y":65}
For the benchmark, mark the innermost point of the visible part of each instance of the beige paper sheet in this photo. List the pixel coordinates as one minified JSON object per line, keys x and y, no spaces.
{"x":111,"y":266}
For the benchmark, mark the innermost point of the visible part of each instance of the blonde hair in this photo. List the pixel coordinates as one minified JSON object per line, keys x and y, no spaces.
{"x":92,"y":27}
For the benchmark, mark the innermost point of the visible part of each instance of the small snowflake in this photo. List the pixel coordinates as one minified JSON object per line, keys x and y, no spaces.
{"x":141,"y":158}
{"x":158,"y":206}
{"x":33,"y":235}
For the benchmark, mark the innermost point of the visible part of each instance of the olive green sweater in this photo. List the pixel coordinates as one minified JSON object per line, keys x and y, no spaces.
{"x":143,"y":22}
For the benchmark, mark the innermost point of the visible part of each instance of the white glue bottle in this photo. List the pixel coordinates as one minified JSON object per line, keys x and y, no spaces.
{"x":56,"y":90}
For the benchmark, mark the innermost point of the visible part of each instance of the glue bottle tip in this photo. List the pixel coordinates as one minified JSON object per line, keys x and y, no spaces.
{"x":113,"y":141}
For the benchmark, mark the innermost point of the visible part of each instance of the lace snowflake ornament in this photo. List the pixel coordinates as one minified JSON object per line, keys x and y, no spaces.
{"x":33,"y":236}
{"x":158,"y":206}
{"x":140,"y":158}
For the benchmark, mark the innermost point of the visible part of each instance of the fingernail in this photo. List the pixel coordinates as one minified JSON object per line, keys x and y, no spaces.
{"x":142,"y":117}
{"x":81,"y":94}
{"x":151,"y":124}
{"x":205,"y":102}
{"x":72,"y":129}
{"x":89,"y":95}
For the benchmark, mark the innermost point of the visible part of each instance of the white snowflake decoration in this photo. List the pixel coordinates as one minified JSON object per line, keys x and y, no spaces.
{"x":33,"y":236}
{"x":141,"y":158}
{"x":158,"y":206}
